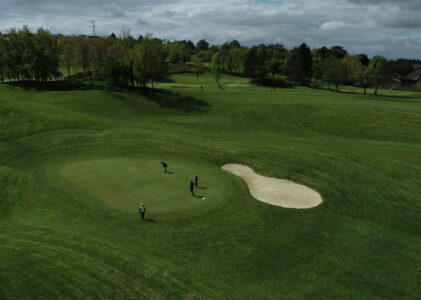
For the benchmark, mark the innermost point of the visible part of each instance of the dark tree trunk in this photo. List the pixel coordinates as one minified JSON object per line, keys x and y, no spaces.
{"x":377,"y":87}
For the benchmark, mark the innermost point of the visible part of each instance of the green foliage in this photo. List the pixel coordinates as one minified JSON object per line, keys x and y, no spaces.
{"x":29,"y":56}
{"x":299,"y":64}
{"x":202,"y":45}
{"x":337,"y":72}
{"x":149,"y":63}
{"x":197,"y":66}
{"x":217,"y":66}
{"x":379,"y":70}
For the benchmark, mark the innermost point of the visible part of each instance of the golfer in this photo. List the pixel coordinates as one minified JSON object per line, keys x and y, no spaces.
{"x":164,"y":165}
{"x":196,"y":181}
{"x":142,"y":210}
{"x":192,"y":188}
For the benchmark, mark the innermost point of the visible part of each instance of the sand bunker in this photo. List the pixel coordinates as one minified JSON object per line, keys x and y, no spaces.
{"x":276,"y":191}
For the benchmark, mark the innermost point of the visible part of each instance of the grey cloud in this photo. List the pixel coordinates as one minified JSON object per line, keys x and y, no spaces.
{"x":142,"y":22}
{"x":169,"y":13}
{"x":371,"y":26}
{"x":115,"y":10}
{"x":403,"y":4}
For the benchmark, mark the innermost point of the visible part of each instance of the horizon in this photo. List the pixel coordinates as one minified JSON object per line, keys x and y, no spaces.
{"x":390,"y":29}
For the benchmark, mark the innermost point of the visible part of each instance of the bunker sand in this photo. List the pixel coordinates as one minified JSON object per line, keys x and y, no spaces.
{"x":276,"y":191}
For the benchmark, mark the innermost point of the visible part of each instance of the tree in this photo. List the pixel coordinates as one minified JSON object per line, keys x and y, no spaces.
{"x":319,"y":64}
{"x":84,"y":48}
{"x":216,"y":66}
{"x":299,"y":64}
{"x":68,"y":53}
{"x":364,"y":60}
{"x":149,"y":62}
{"x":378,"y":70}
{"x":357,"y":71}
{"x":337,"y":72}
{"x":338,"y":52}
{"x":202,"y":45}
{"x":274,"y":66}
{"x":198,"y":66}
{"x":250,"y":61}
{"x":28,"y":56}
{"x":177,"y":52}
{"x":128,"y":44}
{"x":100,"y":54}
{"x":46,"y":57}
{"x":3,"y":58}
{"x":262,"y":58}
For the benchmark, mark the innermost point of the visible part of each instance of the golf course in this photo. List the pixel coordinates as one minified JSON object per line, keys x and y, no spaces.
{"x":75,"y":164}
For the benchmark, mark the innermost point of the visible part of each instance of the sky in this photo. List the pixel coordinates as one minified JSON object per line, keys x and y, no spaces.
{"x":391,"y":28}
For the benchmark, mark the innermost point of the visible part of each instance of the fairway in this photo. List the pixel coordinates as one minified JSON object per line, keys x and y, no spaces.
{"x":125,"y":183}
{"x":76,"y":164}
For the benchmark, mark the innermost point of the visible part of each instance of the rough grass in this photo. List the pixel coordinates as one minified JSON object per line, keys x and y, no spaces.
{"x":363,"y":154}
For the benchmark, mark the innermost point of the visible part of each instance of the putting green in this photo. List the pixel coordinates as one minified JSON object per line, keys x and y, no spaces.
{"x":125,"y":183}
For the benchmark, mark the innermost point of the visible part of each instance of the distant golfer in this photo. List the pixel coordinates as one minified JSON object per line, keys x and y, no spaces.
{"x":142,"y":211}
{"x":164,"y":165}
{"x":201,"y":88}
{"x":196,"y":181}
{"x":192,"y":187}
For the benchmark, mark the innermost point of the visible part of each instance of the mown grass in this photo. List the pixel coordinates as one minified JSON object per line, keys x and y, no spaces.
{"x":362,"y":153}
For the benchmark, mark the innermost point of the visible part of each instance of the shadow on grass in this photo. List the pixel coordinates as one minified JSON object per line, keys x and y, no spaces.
{"x":59,"y":86}
{"x":168,"y":99}
{"x":150,"y":220}
{"x":361,"y":93}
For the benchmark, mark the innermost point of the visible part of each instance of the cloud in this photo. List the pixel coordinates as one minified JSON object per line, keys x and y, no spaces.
{"x":114,"y":10}
{"x":142,"y":22}
{"x":370,"y":26}
{"x":403,"y":4}
{"x":333,"y":25}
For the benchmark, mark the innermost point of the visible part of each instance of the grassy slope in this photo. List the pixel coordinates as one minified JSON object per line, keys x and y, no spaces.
{"x":361,"y":153}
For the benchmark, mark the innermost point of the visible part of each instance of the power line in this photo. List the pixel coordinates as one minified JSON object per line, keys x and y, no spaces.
{"x":93,"y":28}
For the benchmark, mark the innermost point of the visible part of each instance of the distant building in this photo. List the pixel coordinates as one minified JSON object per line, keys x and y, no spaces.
{"x":395,"y":83}
{"x":414,"y":76}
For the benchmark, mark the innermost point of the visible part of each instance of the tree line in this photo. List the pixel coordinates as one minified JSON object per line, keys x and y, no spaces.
{"x":141,"y":61}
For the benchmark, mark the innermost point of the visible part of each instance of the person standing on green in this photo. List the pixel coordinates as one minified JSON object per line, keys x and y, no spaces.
{"x":142,"y":211}
{"x":192,"y":187}
{"x":164,"y":165}
{"x":196,"y":181}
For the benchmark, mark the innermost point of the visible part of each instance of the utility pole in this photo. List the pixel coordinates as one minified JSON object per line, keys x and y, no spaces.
{"x":93,"y":28}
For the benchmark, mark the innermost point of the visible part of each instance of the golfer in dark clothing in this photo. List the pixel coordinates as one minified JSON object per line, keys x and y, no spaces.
{"x":142,"y":210}
{"x":201,"y":88}
{"x":196,"y":181}
{"x":164,"y":165}
{"x":192,"y":188}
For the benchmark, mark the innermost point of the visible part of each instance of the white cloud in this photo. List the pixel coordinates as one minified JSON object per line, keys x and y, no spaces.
{"x":333,"y":25}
